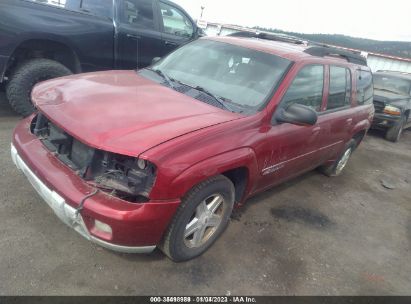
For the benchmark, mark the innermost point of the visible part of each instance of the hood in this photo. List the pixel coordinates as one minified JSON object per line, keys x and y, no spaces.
{"x":122,"y":112}
{"x":388,"y":97}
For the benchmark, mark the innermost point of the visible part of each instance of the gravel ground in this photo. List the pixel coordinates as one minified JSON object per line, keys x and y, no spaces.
{"x":312,"y":236}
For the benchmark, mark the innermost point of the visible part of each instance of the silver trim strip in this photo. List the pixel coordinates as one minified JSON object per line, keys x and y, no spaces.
{"x":282,"y":164}
{"x":65,"y":212}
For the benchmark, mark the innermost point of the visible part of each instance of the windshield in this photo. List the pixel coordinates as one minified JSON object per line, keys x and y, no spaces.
{"x":393,"y":84}
{"x":241,"y":77}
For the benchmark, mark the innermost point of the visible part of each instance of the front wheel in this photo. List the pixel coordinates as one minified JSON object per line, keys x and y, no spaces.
{"x":201,"y":218}
{"x":338,"y":166}
{"x":394,"y":133}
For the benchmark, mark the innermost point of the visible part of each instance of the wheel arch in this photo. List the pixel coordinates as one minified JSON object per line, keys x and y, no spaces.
{"x":240,"y":166}
{"x":44,"y":48}
{"x":359,"y":136}
{"x":360,"y":130}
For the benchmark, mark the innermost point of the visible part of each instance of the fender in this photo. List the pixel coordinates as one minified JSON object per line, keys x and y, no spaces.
{"x":180,"y":185}
{"x":20,"y":38}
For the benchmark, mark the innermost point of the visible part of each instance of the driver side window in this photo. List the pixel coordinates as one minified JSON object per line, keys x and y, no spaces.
{"x":306,"y":88}
{"x":175,"y":22}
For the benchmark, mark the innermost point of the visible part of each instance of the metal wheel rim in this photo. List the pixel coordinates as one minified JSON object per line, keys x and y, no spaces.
{"x":400,"y":132}
{"x":344,"y":160}
{"x":205,"y":221}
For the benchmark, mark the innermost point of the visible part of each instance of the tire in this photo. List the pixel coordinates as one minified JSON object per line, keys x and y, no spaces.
{"x":23,"y":79}
{"x":394,"y":133}
{"x":190,"y":233}
{"x":338,"y":166}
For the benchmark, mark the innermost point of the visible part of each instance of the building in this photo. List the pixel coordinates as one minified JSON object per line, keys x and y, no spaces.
{"x":375,"y":61}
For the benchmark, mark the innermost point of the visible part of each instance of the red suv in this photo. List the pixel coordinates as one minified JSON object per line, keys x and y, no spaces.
{"x":159,"y":157}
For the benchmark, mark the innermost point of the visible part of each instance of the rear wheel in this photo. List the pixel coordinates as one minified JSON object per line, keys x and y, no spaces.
{"x":25,"y":76}
{"x":201,"y":218}
{"x":339,"y":165}
{"x":394,"y":133}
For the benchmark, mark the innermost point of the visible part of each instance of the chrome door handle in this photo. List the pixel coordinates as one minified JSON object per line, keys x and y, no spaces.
{"x":170,"y":43}
{"x":132,"y":36}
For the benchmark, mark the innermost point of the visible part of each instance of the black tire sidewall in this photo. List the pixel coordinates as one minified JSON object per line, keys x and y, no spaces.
{"x":178,"y":249}
{"x":25,"y":77}
{"x":393,"y":133}
{"x":332,"y":170}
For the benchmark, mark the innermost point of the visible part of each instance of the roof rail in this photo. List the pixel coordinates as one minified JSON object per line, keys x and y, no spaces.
{"x":398,"y":72}
{"x":267,"y":36}
{"x":322,"y":50}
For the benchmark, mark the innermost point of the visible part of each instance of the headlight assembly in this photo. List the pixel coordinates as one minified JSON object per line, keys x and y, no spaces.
{"x":391,"y":110}
{"x":126,"y":177}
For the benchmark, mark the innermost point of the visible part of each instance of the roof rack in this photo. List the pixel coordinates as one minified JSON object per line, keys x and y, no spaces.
{"x":315,"y":49}
{"x":322,"y":51}
{"x":397,"y":72}
{"x":267,"y":36}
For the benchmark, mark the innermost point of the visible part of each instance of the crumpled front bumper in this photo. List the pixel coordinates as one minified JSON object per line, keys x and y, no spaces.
{"x":104,"y":219}
{"x":65,"y":212}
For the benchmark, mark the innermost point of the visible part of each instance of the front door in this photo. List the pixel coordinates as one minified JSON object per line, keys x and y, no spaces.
{"x":138,"y":34}
{"x":295,"y":149}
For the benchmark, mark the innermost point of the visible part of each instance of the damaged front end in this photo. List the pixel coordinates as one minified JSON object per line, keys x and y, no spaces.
{"x":125,"y":177}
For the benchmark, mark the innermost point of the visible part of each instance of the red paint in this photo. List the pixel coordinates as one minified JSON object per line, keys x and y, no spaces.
{"x":187,"y":140}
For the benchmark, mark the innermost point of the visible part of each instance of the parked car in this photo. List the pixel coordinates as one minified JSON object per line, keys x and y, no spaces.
{"x":42,"y":39}
{"x":392,"y":102}
{"x":134,"y":160}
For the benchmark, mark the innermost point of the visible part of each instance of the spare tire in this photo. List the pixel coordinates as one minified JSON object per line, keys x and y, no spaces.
{"x":25,"y":76}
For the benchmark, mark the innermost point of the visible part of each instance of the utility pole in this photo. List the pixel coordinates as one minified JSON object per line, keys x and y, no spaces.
{"x":202,"y":10}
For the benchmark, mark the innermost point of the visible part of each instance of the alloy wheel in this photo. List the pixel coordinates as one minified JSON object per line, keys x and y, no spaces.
{"x":343,"y":161}
{"x":205,"y":221}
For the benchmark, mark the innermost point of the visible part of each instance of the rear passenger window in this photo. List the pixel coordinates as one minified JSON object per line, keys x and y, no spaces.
{"x":138,"y":12}
{"x":101,"y":8}
{"x":365,"y":89}
{"x":340,"y":88}
{"x":307,"y":88}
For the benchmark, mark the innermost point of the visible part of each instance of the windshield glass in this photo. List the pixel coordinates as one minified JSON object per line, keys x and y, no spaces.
{"x":241,"y":77}
{"x":393,"y":84}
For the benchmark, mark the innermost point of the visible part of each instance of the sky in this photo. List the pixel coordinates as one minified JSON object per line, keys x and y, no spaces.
{"x":378,"y":19}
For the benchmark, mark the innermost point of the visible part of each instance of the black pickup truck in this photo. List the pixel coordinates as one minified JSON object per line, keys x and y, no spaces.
{"x":43,"y":39}
{"x":392,"y":102}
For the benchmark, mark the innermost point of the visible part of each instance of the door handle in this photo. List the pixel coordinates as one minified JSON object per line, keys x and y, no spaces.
{"x":316,"y":130}
{"x":349,"y":121}
{"x":170,"y":43}
{"x":132,"y":36}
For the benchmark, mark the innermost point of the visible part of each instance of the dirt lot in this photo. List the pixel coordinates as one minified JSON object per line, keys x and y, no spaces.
{"x":315,"y":235}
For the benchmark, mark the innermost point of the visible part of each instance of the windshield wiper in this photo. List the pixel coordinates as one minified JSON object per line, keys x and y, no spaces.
{"x":166,"y":78}
{"x":218,"y":99}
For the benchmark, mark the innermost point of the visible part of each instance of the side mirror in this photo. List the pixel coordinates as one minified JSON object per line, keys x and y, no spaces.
{"x":297,"y":114}
{"x":155,"y":60}
{"x":199,"y":32}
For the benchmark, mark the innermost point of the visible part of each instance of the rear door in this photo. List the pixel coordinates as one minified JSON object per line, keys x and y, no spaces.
{"x":138,"y":33}
{"x":338,"y":116}
{"x":176,"y":26}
